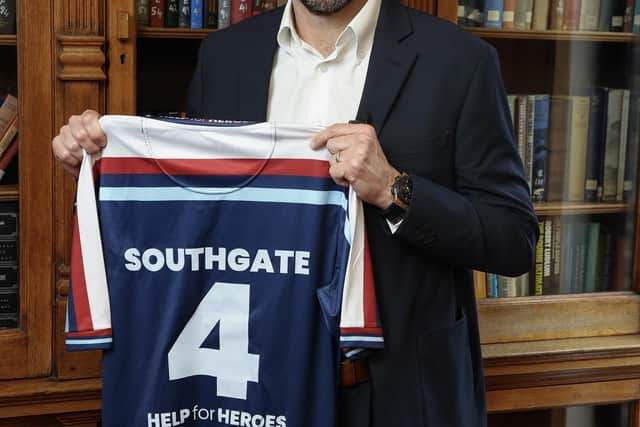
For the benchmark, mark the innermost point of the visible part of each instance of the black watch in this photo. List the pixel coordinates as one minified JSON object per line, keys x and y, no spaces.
{"x":401,"y":190}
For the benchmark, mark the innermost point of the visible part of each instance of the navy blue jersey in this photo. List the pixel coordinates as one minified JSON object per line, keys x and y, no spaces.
{"x":222,"y":271}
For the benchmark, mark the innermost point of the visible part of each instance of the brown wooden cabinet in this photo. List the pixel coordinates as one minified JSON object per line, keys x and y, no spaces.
{"x":69,"y":55}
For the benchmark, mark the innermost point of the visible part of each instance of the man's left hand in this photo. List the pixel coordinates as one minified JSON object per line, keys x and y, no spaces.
{"x":357,"y":160}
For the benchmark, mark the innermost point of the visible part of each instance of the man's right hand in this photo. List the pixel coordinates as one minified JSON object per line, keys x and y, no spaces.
{"x":81,"y":132}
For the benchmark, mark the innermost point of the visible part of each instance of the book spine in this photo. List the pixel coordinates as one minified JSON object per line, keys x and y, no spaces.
{"x":539,"y":263}
{"x":571,"y":15}
{"x":627,"y":24}
{"x":557,"y":14}
{"x":622,"y":156}
{"x":528,"y":168}
{"x":594,"y":145}
{"x":184,"y":15}
{"x":541,"y":15}
{"x":211,"y":16}
{"x":589,"y":12}
{"x":196,"y":14}
{"x":617,"y":16}
{"x":547,"y":260}
{"x":8,"y":112}
{"x":636,"y":18}
{"x":224,"y":13}
{"x":606,"y":9}
{"x":142,"y":13}
{"x":580,"y":249}
{"x":612,"y":145}
{"x":492,"y":285}
{"x":240,"y":10}
{"x":633,"y":141}
{"x":540,"y":146}
{"x":7,"y":16}
{"x":556,"y":256}
{"x":593,"y":246}
{"x":559,"y":128}
{"x":156,"y":13}
{"x":509,"y":13}
{"x":578,"y":147}
{"x":8,"y":137}
{"x":521,"y":131}
{"x":524,"y":14}
{"x":171,"y":14}
{"x":492,"y":13}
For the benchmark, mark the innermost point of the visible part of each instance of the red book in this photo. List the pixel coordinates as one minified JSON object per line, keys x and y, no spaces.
{"x":571,"y":15}
{"x":156,"y":13}
{"x":241,"y":10}
{"x":8,"y":155}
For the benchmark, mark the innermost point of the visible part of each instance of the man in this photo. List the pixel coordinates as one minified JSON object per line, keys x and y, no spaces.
{"x":434,"y":160}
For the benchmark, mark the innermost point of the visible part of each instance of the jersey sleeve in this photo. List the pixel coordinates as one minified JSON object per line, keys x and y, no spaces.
{"x":88,"y":325}
{"x":360,"y":326}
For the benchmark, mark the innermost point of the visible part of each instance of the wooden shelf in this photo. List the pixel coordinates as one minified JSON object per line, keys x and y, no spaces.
{"x":575,"y":208}
{"x":9,"y":192}
{"x":8,"y":40}
{"x":172,"y":33}
{"x":594,"y":36}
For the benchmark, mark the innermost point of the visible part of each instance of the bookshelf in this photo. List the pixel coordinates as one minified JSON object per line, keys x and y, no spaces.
{"x":172,"y":33}
{"x":593,"y":36}
{"x":8,"y":40}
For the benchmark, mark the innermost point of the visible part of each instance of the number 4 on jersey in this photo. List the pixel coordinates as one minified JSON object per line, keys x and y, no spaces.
{"x":231,"y":364}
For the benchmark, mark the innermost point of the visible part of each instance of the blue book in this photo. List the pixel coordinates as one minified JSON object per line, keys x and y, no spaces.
{"x":636,"y":18}
{"x":493,"y":13}
{"x":196,"y":14}
{"x":492,"y":285}
{"x":540,"y":147}
{"x":595,"y":144}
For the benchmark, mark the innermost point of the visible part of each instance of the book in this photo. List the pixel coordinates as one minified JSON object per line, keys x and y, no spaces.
{"x":633,"y":141}
{"x":7,"y":16}
{"x":539,"y":261}
{"x":547,"y":259}
{"x":8,"y":156}
{"x":211,"y":14}
{"x":624,"y":128}
{"x":492,"y":285}
{"x":156,"y":13}
{"x":524,"y":14}
{"x":521,"y":134}
{"x":593,"y":253}
{"x":10,"y":134}
{"x":196,"y":14}
{"x":540,"y":15}
{"x":627,"y":21}
{"x":509,"y":13}
{"x":8,"y":113}
{"x":224,"y":13}
{"x":612,"y":145}
{"x":559,"y":134}
{"x":577,"y":148}
{"x":589,"y":15}
{"x":241,"y":10}
{"x":571,"y":15}
{"x":142,"y":13}
{"x":604,"y":17}
{"x":528,"y":168}
{"x":617,"y":15}
{"x":540,"y":144}
{"x":171,"y":14}
{"x":636,"y":18}
{"x":184,"y":13}
{"x":595,"y":144}
{"x":492,"y":13}
{"x":557,"y":14}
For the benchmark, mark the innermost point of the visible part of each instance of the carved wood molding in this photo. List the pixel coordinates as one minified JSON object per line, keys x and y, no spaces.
{"x":81,"y":58}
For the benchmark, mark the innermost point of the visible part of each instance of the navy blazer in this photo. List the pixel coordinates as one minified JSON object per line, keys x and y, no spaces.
{"x":436,"y":99}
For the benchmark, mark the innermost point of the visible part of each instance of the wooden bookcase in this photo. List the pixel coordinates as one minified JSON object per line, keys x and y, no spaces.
{"x":540,"y":352}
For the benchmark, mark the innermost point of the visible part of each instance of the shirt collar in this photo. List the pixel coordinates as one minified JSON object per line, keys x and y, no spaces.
{"x":362,"y":26}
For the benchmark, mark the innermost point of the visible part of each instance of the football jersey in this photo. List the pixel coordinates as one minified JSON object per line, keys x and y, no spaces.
{"x":223,"y":272}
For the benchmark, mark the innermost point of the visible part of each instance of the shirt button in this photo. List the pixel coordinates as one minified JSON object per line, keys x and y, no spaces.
{"x":323,"y":68}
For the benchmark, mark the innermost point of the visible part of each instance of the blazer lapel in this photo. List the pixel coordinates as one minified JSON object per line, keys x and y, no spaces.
{"x":253,"y":85}
{"x":389,"y":66}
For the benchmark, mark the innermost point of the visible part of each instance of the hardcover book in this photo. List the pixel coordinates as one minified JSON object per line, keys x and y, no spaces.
{"x":492,"y":13}
{"x":595,"y":144}
{"x":171,"y":14}
{"x":196,"y":14}
{"x":7,"y":16}
{"x":156,"y":13}
{"x":184,"y":13}
{"x":142,"y":13}
{"x":241,"y":10}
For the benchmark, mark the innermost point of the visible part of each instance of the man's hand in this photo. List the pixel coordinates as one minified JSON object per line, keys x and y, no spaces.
{"x":357,"y":159}
{"x":80,"y":132}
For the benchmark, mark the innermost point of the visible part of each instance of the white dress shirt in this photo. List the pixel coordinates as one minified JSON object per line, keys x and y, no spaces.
{"x":308,"y":88}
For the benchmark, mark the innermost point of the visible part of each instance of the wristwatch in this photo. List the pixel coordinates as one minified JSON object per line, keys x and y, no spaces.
{"x":401,"y":190}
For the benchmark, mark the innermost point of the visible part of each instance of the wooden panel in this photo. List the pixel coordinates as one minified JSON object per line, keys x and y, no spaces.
{"x":83,"y":419}
{"x":558,"y":316}
{"x":448,"y":10}
{"x":563,"y":395}
{"x":121,"y":37}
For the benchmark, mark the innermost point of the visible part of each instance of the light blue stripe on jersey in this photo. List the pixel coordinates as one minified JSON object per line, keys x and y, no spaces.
{"x":88,"y":341}
{"x":247,"y":194}
{"x":361,"y":338}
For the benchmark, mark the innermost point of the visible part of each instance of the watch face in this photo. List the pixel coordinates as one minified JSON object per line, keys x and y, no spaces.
{"x":402,"y":188}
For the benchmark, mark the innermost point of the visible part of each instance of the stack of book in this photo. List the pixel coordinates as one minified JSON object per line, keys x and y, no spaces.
{"x":541,"y":15}
{"x":198,"y":14}
{"x":573,"y":255}
{"x":579,"y":147}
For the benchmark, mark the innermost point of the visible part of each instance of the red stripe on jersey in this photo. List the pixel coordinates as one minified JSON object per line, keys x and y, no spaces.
{"x":84,"y":334}
{"x":245,"y":167}
{"x":375,"y":331}
{"x":370,"y":303}
{"x":79,"y":288}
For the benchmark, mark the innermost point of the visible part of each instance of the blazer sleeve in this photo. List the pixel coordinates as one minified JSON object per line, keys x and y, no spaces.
{"x":486,"y":222}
